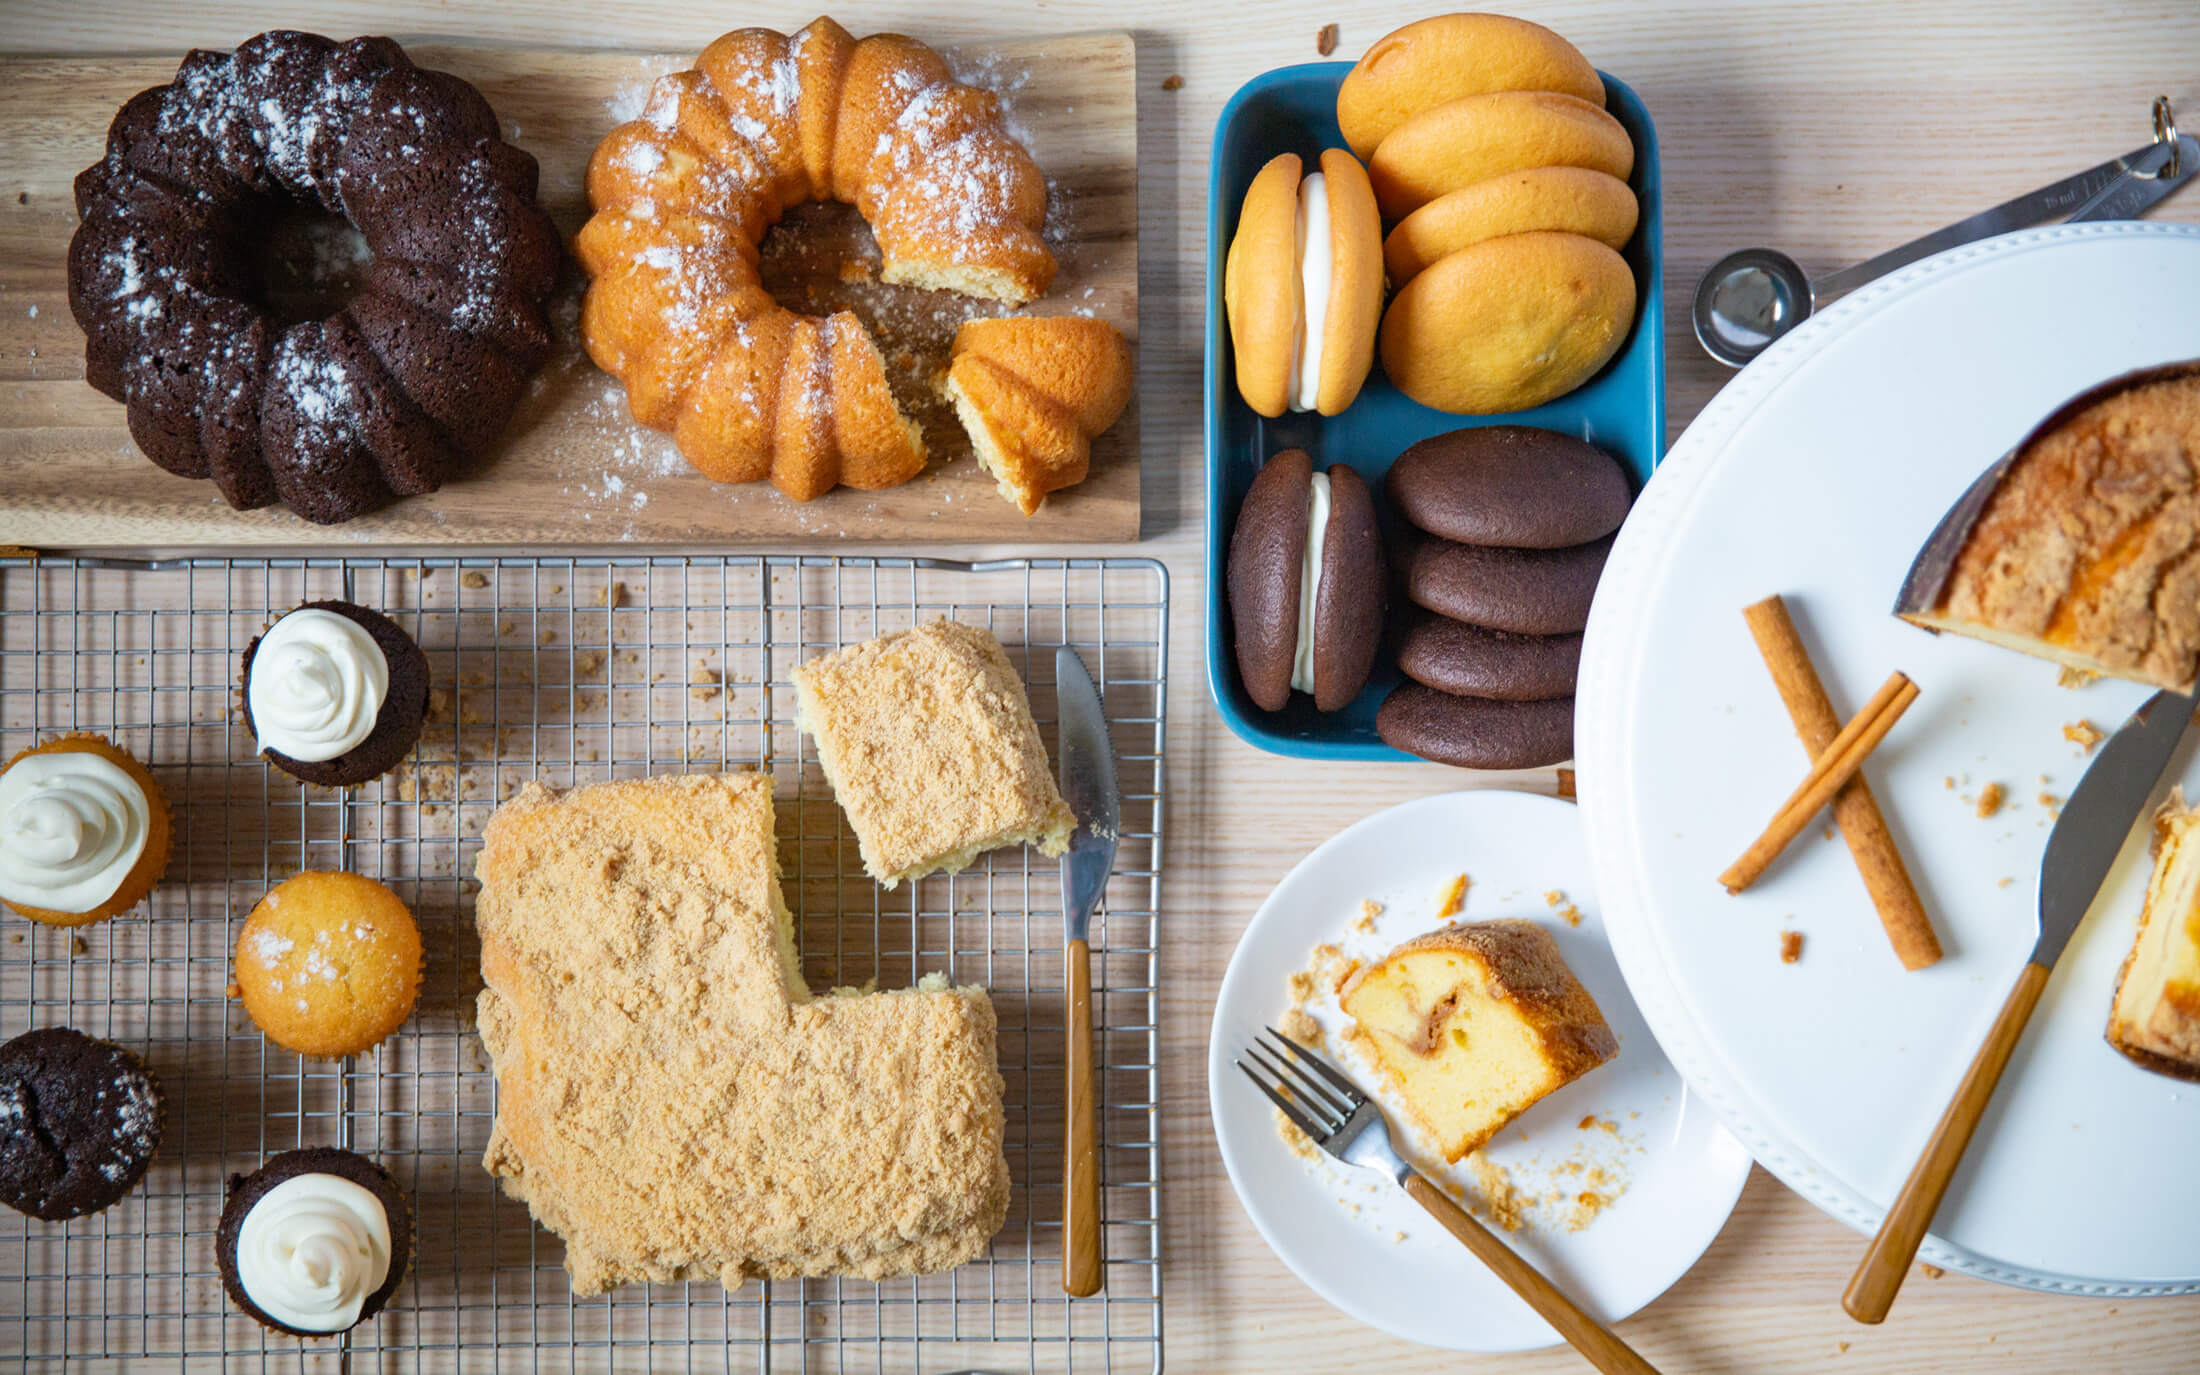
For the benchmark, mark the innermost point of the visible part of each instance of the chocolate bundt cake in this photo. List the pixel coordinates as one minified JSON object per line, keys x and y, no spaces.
{"x":385,"y":397}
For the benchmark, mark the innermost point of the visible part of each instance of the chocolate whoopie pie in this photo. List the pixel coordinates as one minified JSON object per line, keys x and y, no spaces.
{"x":1469,"y":661}
{"x":1527,"y":591}
{"x":246,"y":1191}
{"x":396,"y":725}
{"x":1477,"y":732}
{"x":1509,"y":485}
{"x":1269,"y":549}
{"x":80,"y":1119}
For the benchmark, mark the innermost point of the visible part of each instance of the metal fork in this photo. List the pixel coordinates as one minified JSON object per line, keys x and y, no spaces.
{"x":1337,"y":1115}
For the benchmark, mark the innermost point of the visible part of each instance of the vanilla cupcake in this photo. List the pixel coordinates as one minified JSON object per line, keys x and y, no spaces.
{"x":84,"y":831}
{"x":314,"y":1242}
{"x":334,"y":694}
{"x":328,"y":964}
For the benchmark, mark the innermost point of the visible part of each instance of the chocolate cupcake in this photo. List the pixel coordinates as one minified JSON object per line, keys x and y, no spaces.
{"x":314,"y":1242}
{"x":79,"y":1121}
{"x":334,"y":693}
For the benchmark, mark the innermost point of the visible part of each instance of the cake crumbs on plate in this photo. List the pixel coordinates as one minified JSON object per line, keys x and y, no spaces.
{"x":1990,"y":799}
{"x":2074,"y":677}
{"x":1300,"y":1143}
{"x":1298,"y":1025}
{"x":2053,"y":805}
{"x":1499,"y":1199}
{"x":2084,"y":734}
{"x":1369,"y":911}
{"x":1791,"y":946}
{"x":1455,"y":897}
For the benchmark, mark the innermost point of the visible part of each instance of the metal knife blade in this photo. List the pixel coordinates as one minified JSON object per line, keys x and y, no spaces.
{"x":1088,"y":785}
{"x":2098,"y":817}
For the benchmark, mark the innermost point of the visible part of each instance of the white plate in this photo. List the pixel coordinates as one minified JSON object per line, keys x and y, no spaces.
{"x":1817,"y":474}
{"x":1337,"y":1227}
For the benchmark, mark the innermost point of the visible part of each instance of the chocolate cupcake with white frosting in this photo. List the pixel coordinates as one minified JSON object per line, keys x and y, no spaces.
{"x":334,"y":694}
{"x":314,"y":1242}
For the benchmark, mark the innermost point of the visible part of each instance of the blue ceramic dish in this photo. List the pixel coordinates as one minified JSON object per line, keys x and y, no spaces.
{"x":1621,"y":409}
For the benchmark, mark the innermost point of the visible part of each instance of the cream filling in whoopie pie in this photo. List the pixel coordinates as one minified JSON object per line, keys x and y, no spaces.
{"x":1317,"y":280}
{"x":1310,"y":577}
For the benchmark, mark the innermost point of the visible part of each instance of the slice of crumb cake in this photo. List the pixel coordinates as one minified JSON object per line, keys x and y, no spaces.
{"x":671,"y":1099}
{"x":927,"y":739}
{"x":1473,"y":1024}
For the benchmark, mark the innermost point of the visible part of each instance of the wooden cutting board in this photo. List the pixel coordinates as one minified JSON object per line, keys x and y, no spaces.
{"x":572,"y":467}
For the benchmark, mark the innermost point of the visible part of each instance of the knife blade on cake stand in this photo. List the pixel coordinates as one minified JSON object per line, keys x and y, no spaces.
{"x":2080,"y":851}
{"x":1087,"y":766}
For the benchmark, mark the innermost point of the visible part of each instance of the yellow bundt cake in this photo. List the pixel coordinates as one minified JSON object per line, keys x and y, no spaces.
{"x":1033,"y":391}
{"x":676,"y":308}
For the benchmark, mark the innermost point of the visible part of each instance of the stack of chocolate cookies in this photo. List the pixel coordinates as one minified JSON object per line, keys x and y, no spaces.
{"x":1508,"y":529}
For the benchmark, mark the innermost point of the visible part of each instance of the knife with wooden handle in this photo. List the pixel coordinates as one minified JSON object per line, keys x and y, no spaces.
{"x":1087,"y":766}
{"x":2080,"y":851}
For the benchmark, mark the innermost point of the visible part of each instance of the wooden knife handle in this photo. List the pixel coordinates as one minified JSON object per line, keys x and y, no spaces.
{"x":1082,"y":1258}
{"x":1886,"y":1263}
{"x":1596,"y":1342}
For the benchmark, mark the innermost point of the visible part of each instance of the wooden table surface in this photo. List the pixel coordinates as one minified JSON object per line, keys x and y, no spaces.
{"x":1830,"y":130}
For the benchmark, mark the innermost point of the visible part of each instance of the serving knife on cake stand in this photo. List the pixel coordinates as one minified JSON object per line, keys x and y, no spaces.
{"x":2081,"y":850}
{"x":1087,"y":765}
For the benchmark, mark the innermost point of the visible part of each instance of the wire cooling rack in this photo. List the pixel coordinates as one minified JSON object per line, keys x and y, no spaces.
{"x":572,"y":670}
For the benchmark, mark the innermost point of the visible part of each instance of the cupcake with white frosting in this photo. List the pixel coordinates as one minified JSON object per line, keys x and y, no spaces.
{"x":84,"y":831}
{"x":334,"y":694}
{"x":314,"y":1242}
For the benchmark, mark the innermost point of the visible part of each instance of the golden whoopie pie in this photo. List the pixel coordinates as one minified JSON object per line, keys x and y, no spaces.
{"x":1476,"y":137}
{"x":1303,"y":285}
{"x":1449,"y":56}
{"x":1575,"y":200}
{"x":1509,"y":323}
{"x":1307,"y":585}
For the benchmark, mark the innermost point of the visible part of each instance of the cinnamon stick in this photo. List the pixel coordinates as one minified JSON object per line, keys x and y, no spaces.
{"x":1855,"y":810}
{"x":1829,"y":772}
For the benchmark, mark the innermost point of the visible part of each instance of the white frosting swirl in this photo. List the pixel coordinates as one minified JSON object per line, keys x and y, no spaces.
{"x":312,"y":1251}
{"x":1310,"y":581}
{"x":72,"y":826}
{"x":317,"y":684}
{"x":1317,"y":280}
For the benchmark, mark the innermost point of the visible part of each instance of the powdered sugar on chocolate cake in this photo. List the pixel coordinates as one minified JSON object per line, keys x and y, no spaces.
{"x":402,"y":384}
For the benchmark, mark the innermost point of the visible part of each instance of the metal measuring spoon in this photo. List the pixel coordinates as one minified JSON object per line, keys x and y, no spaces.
{"x":1750,"y":298}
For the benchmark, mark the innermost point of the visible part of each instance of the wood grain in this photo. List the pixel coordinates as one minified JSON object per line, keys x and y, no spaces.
{"x":572,"y":468}
{"x":1832,"y":132}
{"x":1583,"y":1333}
{"x":1083,"y":1260}
{"x":1887,"y":1260}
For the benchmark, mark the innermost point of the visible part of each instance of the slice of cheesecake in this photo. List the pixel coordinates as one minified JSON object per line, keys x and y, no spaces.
{"x":1473,"y":1023}
{"x":2156,"y":1016}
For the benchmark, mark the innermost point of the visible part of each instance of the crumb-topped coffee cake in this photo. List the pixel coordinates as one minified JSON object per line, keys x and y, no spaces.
{"x":927,"y":739}
{"x":671,"y":1100}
